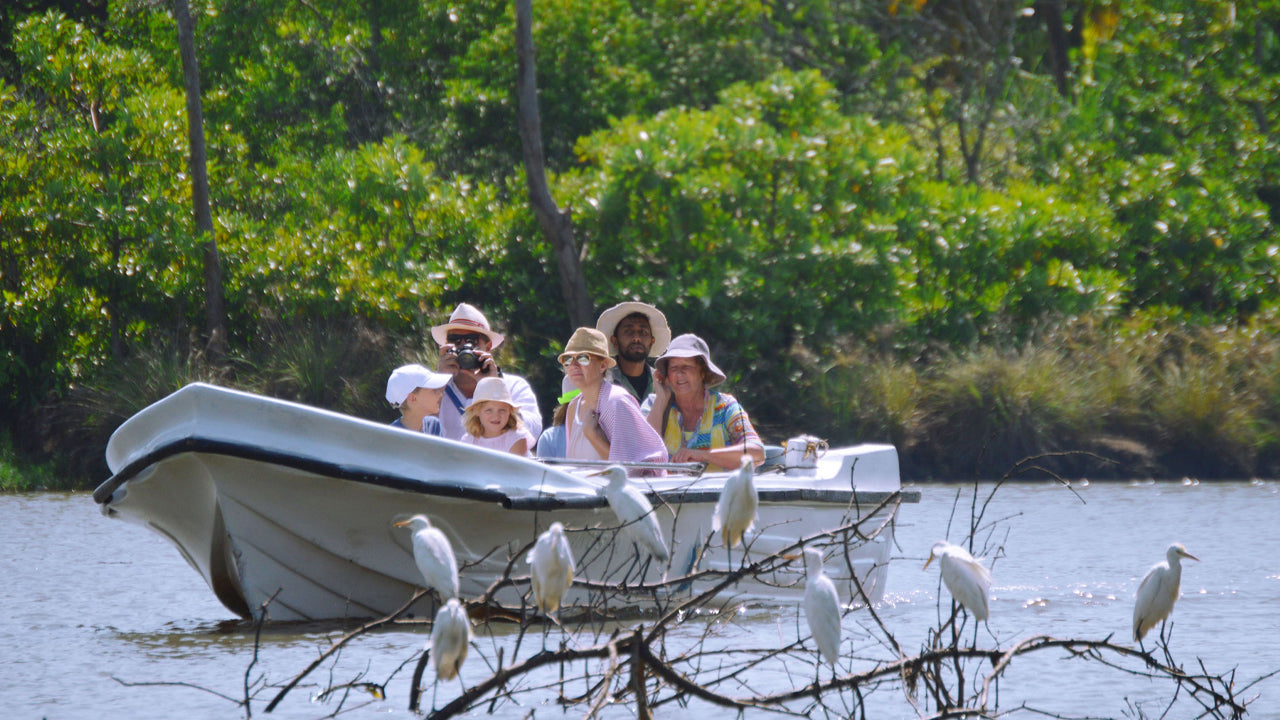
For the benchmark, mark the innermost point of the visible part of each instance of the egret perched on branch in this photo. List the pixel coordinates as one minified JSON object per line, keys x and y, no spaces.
{"x":821,"y":606}
{"x":634,"y":511}
{"x":450,"y":636}
{"x":968,"y":579}
{"x":736,"y":509}
{"x":1159,"y":591}
{"x":551,"y":568}
{"x":434,"y":556}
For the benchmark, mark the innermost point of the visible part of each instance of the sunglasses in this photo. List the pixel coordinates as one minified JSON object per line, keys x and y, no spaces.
{"x":473,"y":338}
{"x":580,"y":358}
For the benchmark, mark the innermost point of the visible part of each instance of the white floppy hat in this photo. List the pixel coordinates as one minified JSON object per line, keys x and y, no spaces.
{"x":690,"y":346}
{"x":468,"y":319}
{"x":609,"y":319}
{"x":493,"y":389}
{"x":407,"y":378}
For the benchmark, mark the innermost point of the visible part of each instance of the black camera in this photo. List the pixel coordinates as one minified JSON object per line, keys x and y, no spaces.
{"x":468,"y":359}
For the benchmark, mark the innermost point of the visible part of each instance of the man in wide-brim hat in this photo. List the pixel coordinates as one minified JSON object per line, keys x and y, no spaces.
{"x":636,"y":332}
{"x":467,"y":335}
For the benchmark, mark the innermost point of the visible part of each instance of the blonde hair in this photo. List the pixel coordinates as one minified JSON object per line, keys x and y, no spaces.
{"x":471,"y":417}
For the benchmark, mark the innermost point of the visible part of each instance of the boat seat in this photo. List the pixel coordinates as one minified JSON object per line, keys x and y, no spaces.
{"x":775,"y":457}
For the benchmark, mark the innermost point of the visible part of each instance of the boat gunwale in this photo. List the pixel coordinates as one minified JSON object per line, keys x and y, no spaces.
{"x":542,"y":502}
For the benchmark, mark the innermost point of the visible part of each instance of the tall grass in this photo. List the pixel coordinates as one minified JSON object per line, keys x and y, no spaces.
{"x":80,"y":426}
{"x":1150,"y":401}
{"x":338,"y":363}
{"x":987,"y":409}
{"x":18,"y":473}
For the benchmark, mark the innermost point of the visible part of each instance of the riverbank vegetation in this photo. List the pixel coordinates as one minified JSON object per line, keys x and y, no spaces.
{"x":978,"y":230}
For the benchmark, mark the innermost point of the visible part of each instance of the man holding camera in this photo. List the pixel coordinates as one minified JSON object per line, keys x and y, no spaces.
{"x":466,"y":347}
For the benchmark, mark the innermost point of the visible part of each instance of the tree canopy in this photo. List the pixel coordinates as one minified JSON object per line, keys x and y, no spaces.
{"x":785,"y":177}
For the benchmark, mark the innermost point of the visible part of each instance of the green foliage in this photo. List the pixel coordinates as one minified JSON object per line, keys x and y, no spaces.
{"x":18,"y":473}
{"x":303,"y":363}
{"x":596,"y":62}
{"x":834,"y":193}
{"x":1191,"y":240}
{"x":97,"y":248}
{"x":763,"y":221}
{"x":983,"y":265}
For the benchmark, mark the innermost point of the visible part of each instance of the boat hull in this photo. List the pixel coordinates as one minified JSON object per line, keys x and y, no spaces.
{"x":309,"y":535}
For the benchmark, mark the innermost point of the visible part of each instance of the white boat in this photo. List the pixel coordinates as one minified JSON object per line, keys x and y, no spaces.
{"x":291,"y":508}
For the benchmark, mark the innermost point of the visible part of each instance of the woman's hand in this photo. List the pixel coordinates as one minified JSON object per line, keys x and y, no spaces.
{"x":689,"y":455}
{"x":661,"y":391}
{"x":591,"y":426}
{"x":595,"y":434}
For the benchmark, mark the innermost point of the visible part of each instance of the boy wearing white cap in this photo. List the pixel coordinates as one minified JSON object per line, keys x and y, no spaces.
{"x":417,"y":392}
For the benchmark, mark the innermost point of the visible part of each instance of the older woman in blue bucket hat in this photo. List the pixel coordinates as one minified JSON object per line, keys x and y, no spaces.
{"x":697,"y":423}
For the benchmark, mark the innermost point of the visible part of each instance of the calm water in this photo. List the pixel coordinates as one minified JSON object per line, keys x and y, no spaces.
{"x":89,"y":600}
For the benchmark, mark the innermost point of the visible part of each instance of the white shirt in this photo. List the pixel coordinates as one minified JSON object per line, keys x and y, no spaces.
{"x":503,"y":442}
{"x":577,"y":445}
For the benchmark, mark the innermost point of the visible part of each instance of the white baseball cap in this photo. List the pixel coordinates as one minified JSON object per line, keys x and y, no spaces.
{"x":407,"y":378}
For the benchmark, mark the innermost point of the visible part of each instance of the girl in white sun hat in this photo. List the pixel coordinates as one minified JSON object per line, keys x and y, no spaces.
{"x":493,"y":420}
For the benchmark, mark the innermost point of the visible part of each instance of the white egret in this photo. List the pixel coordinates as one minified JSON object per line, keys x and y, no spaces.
{"x":551,"y":568}
{"x":634,"y":511}
{"x":1159,"y":591}
{"x":821,"y":606}
{"x":434,"y":556}
{"x":450,"y":637}
{"x":736,"y":509}
{"x":968,"y":579}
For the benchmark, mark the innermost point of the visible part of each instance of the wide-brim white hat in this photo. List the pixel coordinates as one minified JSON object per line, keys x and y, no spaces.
{"x":609,"y":319}
{"x":407,"y":378}
{"x":689,"y":346}
{"x":467,"y":319}
{"x":492,"y":389}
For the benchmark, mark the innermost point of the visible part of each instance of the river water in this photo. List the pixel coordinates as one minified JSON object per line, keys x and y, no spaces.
{"x":95,"y":607}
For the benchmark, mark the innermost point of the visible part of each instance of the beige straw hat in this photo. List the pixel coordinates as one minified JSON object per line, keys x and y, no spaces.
{"x":588,"y":340}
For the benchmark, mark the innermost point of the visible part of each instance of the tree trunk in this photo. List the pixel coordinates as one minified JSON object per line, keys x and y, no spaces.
{"x":215,"y":314}
{"x":556,"y":224}
{"x":1055,"y":30}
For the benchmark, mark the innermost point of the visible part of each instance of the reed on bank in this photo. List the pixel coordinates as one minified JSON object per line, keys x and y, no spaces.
{"x":1165,"y":401}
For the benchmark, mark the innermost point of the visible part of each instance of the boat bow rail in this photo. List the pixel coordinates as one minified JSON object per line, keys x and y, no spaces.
{"x":207,"y":419}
